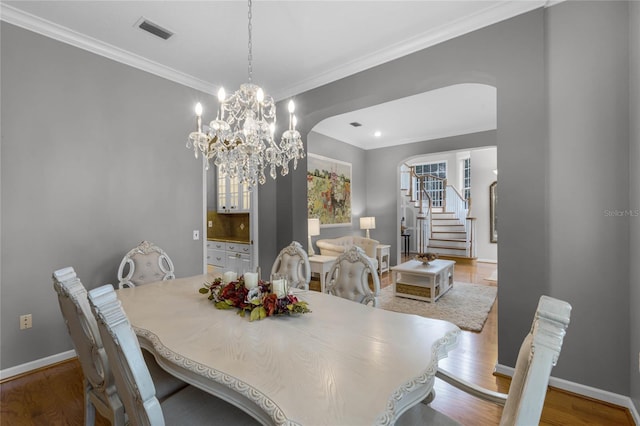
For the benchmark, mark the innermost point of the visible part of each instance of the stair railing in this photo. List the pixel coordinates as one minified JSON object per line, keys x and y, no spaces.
{"x":461,"y":208}
{"x":456,"y":204}
{"x":423,"y":202}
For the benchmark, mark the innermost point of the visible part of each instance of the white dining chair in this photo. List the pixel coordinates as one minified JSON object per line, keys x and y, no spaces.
{"x":293,"y":262}
{"x":99,"y":386}
{"x":189,"y":406}
{"x":352,"y":277}
{"x":144,"y":264}
{"x":538,"y":354}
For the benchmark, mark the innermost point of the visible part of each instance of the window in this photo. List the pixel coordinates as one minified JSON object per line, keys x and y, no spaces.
{"x":466,"y":178}
{"x":434,"y":187}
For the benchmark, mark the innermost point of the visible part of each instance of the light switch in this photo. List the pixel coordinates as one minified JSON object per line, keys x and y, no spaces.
{"x":196,"y":234}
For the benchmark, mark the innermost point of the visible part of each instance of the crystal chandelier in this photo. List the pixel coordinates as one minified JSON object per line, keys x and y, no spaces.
{"x":241,"y":138}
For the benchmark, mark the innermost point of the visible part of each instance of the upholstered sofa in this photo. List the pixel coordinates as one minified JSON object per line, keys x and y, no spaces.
{"x":337,"y":246}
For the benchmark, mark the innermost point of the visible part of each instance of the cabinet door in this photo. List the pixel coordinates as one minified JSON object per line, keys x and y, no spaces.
{"x":233,"y":196}
{"x":244,"y":198}
{"x":239,"y":263}
{"x":238,"y":257}
{"x":223,"y":203}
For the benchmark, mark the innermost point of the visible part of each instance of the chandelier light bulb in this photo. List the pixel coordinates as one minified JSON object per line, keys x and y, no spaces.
{"x":295,"y":121}
{"x":272,"y":129}
{"x":260,"y":95}
{"x":292,"y":107}
{"x":221,"y":95}
{"x":199,"y":109}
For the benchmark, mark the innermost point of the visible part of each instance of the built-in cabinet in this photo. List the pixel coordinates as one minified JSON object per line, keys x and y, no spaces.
{"x":233,"y":196}
{"x":229,"y":256}
{"x":231,"y":214}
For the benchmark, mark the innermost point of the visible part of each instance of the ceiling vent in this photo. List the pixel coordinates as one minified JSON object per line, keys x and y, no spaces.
{"x":355,"y":124}
{"x":155,"y":29}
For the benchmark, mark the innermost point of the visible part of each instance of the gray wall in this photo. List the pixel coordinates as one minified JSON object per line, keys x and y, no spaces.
{"x":516,"y":57}
{"x":93,"y":162}
{"x":587,"y":51}
{"x":634,"y":200}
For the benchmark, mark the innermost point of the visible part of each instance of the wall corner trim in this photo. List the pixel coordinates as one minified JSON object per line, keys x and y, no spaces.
{"x":34,"y":365}
{"x":584,"y":390}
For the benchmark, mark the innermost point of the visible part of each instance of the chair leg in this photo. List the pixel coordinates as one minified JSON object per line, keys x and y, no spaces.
{"x":89,"y":408}
{"x":429,"y":399}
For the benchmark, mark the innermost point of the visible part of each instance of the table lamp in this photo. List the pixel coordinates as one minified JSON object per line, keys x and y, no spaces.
{"x":313,"y":230}
{"x":368,"y":223}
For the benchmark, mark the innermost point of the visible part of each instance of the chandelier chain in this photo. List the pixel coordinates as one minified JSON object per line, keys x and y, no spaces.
{"x":250,"y":46}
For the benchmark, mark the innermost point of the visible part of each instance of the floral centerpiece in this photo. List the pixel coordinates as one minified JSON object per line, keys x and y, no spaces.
{"x":259,"y":301}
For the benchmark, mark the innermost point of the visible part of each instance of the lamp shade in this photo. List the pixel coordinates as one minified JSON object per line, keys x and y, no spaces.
{"x":314,"y":227}
{"x":368,"y":222}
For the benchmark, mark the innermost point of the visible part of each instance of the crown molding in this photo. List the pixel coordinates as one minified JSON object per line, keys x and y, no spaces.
{"x":457,"y":28}
{"x":486,"y":17}
{"x":63,"y":34}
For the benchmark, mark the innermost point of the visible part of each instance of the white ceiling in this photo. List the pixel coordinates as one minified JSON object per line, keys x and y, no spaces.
{"x":297,"y":45}
{"x":450,"y":111}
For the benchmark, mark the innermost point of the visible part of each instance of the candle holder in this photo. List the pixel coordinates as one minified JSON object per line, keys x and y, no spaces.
{"x":280,"y":285}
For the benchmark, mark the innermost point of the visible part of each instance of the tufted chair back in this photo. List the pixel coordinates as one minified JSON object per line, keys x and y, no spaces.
{"x":293,"y":262}
{"x":146,"y":263}
{"x":349,"y":277}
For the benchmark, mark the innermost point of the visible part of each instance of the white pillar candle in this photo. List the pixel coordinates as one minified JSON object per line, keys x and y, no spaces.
{"x":229,"y":276}
{"x":250,"y":280}
{"x":278,"y":287}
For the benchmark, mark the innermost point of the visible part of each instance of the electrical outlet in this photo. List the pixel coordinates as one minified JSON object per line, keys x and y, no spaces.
{"x":196,"y":234}
{"x":210,"y":224}
{"x":25,"y":321}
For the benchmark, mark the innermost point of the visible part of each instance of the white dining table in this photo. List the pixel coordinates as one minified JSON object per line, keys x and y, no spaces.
{"x":342,"y":364}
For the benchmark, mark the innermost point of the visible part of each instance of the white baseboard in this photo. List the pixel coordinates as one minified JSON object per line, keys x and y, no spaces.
{"x":38,"y":363}
{"x":588,"y":391}
{"x":486,"y":261}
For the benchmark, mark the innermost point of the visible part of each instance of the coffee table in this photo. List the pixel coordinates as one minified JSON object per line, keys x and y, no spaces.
{"x":415,"y":280}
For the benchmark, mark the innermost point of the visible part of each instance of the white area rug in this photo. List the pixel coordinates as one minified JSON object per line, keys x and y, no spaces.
{"x":466,"y":305}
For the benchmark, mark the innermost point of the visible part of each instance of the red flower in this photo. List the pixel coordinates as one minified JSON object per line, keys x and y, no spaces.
{"x":270,"y":303}
{"x":235,"y":293}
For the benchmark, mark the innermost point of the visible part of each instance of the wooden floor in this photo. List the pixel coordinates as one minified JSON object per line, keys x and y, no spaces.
{"x":53,"y":396}
{"x":474,"y":360}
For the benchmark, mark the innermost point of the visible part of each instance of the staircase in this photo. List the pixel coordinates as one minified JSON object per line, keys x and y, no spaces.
{"x":448,"y":236}
{"x":444,"y":225}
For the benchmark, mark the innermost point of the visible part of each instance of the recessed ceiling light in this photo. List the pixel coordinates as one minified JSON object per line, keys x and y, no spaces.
{"x":377,"y":134}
